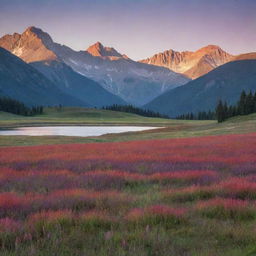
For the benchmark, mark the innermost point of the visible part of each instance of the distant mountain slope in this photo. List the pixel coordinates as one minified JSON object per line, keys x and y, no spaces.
{"x":191,"y":64}
{"x":99,"y":50}
{"x":245,"y":56}
{"x":134,"y":82}
{"x":225,"y":82}
{"x":21,"y":81}
{"x":75,"y":84}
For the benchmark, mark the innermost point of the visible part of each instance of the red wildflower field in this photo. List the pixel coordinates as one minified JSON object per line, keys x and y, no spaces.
{"x":156,"y":214}
{"x":108,"y":187}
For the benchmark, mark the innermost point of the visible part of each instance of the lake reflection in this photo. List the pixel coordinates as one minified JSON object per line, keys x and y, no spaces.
{"x":81,"y":131}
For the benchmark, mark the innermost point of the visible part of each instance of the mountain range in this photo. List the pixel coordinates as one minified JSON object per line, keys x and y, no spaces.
{"x":134,"y":82}
{"x":37,"y":70}
{"x":202,"y":94}
{"x":191,"y":64}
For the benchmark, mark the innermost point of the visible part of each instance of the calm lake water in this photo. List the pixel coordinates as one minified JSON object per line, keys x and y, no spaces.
{"x":81,"y":131}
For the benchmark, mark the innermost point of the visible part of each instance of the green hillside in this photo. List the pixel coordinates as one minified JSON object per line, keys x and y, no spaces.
{"x":79,"y":116}
{"x":202,"y":94}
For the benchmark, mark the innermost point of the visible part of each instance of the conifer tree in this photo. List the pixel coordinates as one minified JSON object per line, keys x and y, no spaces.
{"x":242,"y":104}
{"x":220,"y":112}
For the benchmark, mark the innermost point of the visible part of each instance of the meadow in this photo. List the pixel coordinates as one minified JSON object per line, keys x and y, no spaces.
{"x":168,"y":128}
{"x":186,"y":197}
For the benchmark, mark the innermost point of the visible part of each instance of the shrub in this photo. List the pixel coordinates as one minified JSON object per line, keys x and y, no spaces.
{"x":44,"y":221}
{"x":9,"y":230}
{"x":239,"y":188}
{"x":94,"y":220}
{"x":75,"y":199}
{"x":102,"y":179}
{"x":192,"y":193}
{"x":183,"y":176}
{"x":221,"y":208}
{"x":157,"y":214}
{"x":12,"y":205}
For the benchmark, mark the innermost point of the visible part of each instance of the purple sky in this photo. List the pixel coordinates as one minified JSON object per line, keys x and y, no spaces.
{"x":138,"y":28}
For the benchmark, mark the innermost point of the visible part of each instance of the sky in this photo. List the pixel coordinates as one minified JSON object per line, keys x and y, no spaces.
{"x":138,"y":28}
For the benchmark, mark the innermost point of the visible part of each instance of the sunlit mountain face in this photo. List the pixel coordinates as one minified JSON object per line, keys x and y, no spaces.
{"x":191,"y":64}
{"x":138,"y":29}
{"x":99,"y":52}
{"x":134,"y":82}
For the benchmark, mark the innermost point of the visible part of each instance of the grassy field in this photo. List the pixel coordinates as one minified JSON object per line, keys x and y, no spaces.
{"x":78,"y":116}
{"x":75,"y":116}
{"x":183,"y":197}
{"x":169,"y":191}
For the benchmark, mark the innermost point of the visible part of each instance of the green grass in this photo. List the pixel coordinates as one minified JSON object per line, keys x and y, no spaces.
{"x":199,"y":235}
{"x":155,"y":242}
{"x":79,"y":116}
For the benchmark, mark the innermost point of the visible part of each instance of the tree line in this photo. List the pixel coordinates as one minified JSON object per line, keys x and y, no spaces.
{"x":203,"y":115}
{"x":246,"y":105}
{"x":18,"y":108}
{"x":135,"y":110}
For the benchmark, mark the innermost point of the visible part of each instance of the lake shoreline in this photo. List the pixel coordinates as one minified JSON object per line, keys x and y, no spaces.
{"x":17,"y":125}
{"x":72,"y":131}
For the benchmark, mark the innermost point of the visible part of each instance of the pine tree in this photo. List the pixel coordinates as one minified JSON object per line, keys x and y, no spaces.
{"x":254,"y":102}
{"x":249,"y":105}
{"x":220,"y":112}
{"x":225,"y":110}
{"x":242,"y":104}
